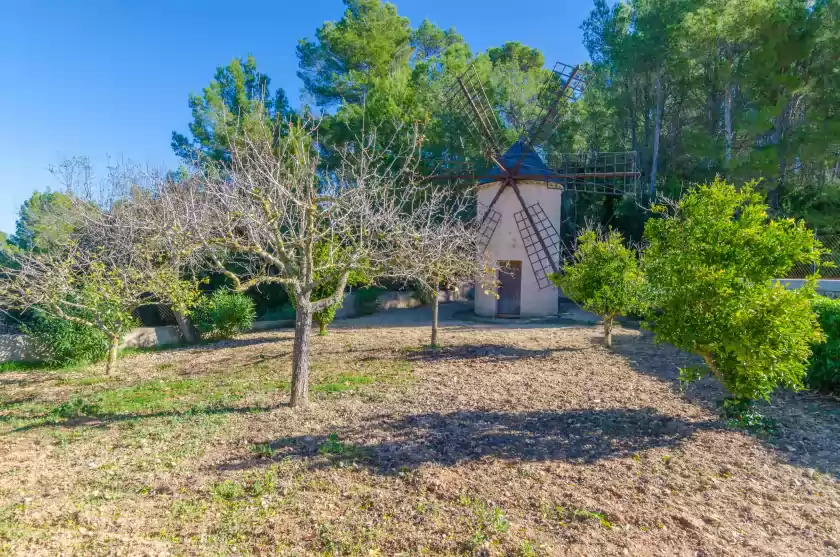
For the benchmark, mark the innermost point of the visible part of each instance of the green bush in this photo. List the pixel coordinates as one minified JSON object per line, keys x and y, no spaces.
{"x":710,"y":260}
{"x":824,"y":369}
{"x":604,"y":278}
{"x":367,"y":300}
{"x":66,"y":343}
{"x":224,"y":314}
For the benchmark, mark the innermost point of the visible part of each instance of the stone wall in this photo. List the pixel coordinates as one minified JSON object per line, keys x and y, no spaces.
{"x":18,"y":348}
{"x":828,"y":288}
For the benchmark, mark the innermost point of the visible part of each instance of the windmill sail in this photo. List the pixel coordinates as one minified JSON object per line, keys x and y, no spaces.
{"x":469,"y":102}
{"x":565,"y":85}
{"x":603,"y":173}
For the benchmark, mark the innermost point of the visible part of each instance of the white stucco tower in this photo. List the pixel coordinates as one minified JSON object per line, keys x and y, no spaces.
{"x":511,"y":212}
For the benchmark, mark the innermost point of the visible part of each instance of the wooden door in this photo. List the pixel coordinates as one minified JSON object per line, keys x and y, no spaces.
{"x":510,"y":288}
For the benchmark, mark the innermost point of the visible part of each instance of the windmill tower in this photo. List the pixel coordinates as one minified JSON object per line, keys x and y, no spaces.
{"x":519,"y":195}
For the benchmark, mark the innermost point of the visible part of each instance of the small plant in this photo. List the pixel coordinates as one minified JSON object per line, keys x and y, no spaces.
{"x":335,"y":447}
{"x":76,"y":407}
{"x":228,"y":490}
{"x":528,"y":548}
{"x":224,"y":314}
{"x":261,"y":450}
{"x":584,"y":515}
{"x":604,"y":278}
{"x":262,"y":485}
{"x":741,"y":414}
{"x":332,"y":445}
{"x":564,"y":515}
{"x":824,"y":367}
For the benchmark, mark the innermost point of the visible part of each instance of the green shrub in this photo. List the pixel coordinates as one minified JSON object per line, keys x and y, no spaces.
{"x":367,"y":300}
{"x":824,"y":369}
{"x":224,"y":314}
{"x":65,"y":343}
{"x":711,"y":260}
{"x":604,"y":278}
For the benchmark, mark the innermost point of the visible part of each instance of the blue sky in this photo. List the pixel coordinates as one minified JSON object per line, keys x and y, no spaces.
{"x":110,"y":79}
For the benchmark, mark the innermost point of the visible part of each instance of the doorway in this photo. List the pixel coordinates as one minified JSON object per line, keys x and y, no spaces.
{"x":509,"y":276}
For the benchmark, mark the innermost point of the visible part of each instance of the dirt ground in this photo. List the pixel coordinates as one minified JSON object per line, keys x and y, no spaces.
{"x":527,"y":439}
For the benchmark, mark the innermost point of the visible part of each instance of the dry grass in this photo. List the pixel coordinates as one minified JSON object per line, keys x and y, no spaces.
{"x":509,"y":441}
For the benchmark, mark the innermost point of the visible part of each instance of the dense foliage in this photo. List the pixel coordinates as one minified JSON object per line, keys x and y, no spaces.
{"x":604,"y":278}
{"x":64,"y":343}
{"x":367,"y":300}
{"x":747,"y":89}
{"x":744,"y":88}
{"x":711,"y":260}
{"x":824,"y":371}
{"x":224,"y":314}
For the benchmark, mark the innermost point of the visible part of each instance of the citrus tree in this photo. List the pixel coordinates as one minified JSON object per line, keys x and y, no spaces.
{"x":711,"y":260}
{"x":604,"y":278}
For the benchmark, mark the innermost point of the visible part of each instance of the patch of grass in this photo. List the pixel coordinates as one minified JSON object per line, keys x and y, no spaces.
{"x":328,"y":380}
{"x":261,"y":450}
{"x":565,"y":515}
{"x":76,"y":407}
{"x":22,"y":366}
{"x":86,"y":381}
{"x":489,"y":523}
{"x":341,"y":383}
{"x":228,"y":490}
{"x":334,"y":446}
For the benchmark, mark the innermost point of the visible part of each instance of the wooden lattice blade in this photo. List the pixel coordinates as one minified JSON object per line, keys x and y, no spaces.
{"x":469,"y":102}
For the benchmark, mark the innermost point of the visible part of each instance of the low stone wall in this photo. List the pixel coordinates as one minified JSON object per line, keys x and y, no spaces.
{"x":21,"y":348}
{"x":830,"y":288}
{"x":152,"y":337}
{"x":18,"y":348}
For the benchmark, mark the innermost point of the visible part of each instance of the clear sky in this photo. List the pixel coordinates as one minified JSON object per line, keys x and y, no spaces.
{"x":110,"y":79}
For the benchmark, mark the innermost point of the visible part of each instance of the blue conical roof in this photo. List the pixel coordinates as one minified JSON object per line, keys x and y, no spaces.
{"x":531,"y":163}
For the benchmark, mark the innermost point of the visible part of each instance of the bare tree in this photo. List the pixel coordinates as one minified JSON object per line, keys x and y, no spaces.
{"x":110,"y":263}
{"x":261,"y":219}
{"x":443,"y":252}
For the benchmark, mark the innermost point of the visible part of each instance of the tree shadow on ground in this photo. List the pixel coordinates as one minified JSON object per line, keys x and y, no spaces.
{"x":231,"y":343}
{"x":492,"y":352}
{"x":29,"y":378}
{"x":104,"y":420}
{"x":581,"y":436}
{"x":806,"y":428}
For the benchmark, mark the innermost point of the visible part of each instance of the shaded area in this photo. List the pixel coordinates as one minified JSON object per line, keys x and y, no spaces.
{"x":105,"y":419}
{"x":492,"y":352}
{"x":208,"y":345}
{"x":807,"y":424}
{"x":580,"y":436}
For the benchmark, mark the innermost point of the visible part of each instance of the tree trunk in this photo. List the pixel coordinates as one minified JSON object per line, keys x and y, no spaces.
{"x":322,"y":328}
{"x":186,"y":327}
{"x":657,"y":131}
{"x":435,"y":305}
{"x":112,"y":354}
{"x":300,"y":352}
{"x":608,"y":327}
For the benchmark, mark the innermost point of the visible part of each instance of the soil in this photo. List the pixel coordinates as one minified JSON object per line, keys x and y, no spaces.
{"x":512,"y":439}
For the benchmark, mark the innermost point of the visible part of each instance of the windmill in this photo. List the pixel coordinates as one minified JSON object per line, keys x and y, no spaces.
{"x":529,"y":162}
